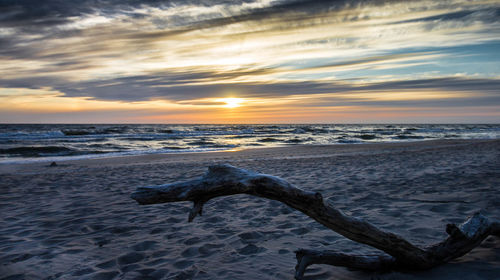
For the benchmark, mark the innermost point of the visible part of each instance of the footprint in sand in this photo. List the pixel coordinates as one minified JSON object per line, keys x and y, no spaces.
{"x":130,"y":258}
{"x":300,"y":231}
{"x":82,"y":272}
{"x":251,"y":235}
{"x":192,"y":240}
{"x":190,"y":252}
{"x":182,"y":264}
{"x":107,"y":264}
{"x":108,"y":275}
{"x":145,"y":245}
{"x":208,"y":249}
{"x":251,"y":250}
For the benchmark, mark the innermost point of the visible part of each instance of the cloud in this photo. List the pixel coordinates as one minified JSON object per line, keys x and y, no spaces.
{"x":183,"y":51}
{"x":32,"y":15}
{"x":192,"y":86}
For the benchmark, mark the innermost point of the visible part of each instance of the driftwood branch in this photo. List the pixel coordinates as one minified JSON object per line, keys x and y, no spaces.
{"x":224,"y":180}
{"x":306,"y":258}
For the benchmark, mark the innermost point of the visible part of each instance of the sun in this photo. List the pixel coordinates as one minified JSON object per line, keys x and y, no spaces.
{"x":232,"y":102}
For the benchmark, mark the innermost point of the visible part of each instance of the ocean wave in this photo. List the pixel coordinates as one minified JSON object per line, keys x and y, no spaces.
{"x":141,"y":138}
{"x":75,"y":132}
{"x":294,"y":141}
{"x":93,"y":130}
{"x":201,"y":142}
{"x":408,"y":136}
{"x":243,"y":136}
{"x":268,"y":139}
{"x":38,"y":151}
{"x":168,"y":131}
{"x":367,"y":136}
{"x":348,"y":141}
{"x":45,"y":141}
{"x":211,"y":144}
{"x":176,"y":148}
{"x":20,"y":135}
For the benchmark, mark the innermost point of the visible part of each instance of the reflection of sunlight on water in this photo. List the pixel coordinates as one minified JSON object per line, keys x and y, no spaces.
{"x":118,"y":140}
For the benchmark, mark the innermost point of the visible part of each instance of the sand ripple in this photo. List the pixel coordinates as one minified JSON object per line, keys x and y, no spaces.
{"x":76,"y":221}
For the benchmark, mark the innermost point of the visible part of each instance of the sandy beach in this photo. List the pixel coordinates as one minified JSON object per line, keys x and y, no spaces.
{"x":77,"y":221}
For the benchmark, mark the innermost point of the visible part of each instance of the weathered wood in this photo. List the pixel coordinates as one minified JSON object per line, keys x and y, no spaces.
{"x":462,"y":239}
{"x":224,"y":180}
{"x":306,"y":258}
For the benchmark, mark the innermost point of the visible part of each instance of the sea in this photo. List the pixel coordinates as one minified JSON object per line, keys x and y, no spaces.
{"x":21,"y":143}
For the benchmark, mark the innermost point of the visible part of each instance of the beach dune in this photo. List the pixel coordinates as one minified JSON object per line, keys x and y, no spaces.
{"x":76,"y":220}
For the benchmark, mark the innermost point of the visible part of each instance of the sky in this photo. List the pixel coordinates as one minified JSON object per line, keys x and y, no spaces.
{"x":263,"y":61}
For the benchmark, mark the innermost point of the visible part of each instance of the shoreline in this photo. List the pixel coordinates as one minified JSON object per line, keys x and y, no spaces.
{"x":298,"y":150}
{"x":77,"y":220}
{"x":57,"y":142}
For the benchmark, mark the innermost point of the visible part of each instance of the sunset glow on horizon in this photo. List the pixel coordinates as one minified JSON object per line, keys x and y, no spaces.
{"x":250,"y":62}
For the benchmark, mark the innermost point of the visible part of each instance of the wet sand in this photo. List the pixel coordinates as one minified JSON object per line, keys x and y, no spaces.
{"x":77,"y":221}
